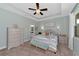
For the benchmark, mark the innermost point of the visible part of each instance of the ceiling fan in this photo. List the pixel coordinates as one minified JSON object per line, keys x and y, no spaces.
{"x":38,"y":10}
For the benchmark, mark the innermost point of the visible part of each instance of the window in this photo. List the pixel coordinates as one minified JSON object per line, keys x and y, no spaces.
{"x":77,"y":21}
{"x":77,"y":25}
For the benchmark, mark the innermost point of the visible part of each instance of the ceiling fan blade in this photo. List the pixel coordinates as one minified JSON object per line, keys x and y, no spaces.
{"x":34,"y":13}
{"x":41,"y":13}
{"x":45,"y":9}
{"x":31,"y":9}
{"x":37,"y":5}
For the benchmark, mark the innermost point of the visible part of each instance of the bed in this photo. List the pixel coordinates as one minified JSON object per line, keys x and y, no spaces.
{"x":45,"y":42}
{"x":48,"y":41}
{"x":40,"y":41}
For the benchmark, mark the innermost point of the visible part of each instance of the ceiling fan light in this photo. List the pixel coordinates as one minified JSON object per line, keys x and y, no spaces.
{"x":38,"y":11}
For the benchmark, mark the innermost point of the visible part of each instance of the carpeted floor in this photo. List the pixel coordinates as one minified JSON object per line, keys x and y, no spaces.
{"x":28,"y":50}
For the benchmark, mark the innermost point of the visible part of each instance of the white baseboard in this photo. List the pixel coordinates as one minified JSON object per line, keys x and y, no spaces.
{"x":2,"y":47}
{"x":26,"y":40}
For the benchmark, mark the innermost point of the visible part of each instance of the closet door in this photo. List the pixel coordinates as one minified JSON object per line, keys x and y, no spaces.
{"x":14,"y":37}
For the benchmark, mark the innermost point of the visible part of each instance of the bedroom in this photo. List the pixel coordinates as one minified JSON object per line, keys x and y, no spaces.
{"x":27,"y":29}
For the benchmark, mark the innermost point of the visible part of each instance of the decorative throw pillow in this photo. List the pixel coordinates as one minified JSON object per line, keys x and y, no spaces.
{"x":46,"y":33}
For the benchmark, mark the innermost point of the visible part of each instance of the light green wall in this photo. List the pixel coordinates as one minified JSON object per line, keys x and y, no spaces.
{"x":8,"y":19}
{"x":63,"y":22}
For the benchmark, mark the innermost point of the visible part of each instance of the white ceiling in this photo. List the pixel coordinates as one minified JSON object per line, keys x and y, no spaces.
{"x":54,"y":9}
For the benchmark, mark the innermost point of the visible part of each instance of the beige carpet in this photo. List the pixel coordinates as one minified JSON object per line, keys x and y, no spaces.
{"x":28,"y":50}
